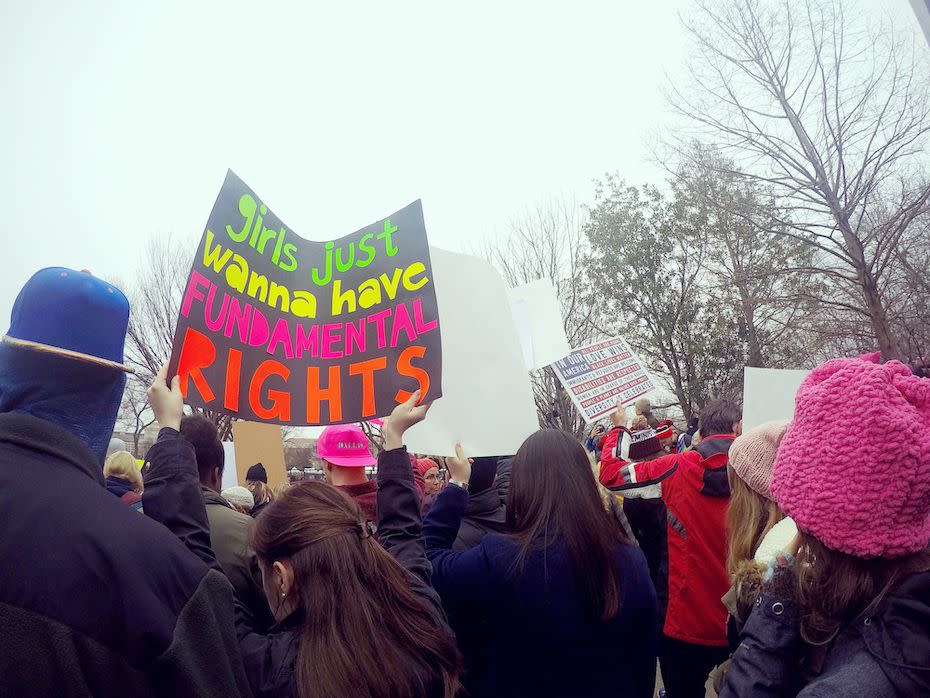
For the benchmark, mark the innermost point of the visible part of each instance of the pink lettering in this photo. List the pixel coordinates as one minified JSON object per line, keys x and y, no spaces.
{"x":308,"y":340}
{"x":401,"y":322}
{"x":217,"y":324}
{"x":258,"y":333}
{"x":378,"y":319}
{"x":330,"y":335}
{"x":422,"y":327}
{"x":238,"y":316}
{"x":355,"y":335}
{"x":281,"y":335}
{"x":197,"y":279}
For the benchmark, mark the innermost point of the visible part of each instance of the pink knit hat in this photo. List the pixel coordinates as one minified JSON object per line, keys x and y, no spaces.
{"x":854,"y":466}
{"x":752,"y":455}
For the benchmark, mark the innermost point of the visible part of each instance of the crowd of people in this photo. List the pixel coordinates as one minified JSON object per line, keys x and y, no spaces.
{"x":788,"y":559}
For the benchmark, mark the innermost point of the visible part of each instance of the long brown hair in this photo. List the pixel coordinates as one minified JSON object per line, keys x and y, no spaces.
{"x":553,"y":496}
{"x":836,"y":588}
{"x":749,"y":517}
{"x":363,"y":631}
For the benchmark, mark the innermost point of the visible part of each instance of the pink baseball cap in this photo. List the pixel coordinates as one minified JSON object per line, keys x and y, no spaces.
{"x":345,"y":445}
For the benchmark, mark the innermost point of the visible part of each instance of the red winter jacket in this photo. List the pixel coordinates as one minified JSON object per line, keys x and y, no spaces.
{"x":696,"y":492}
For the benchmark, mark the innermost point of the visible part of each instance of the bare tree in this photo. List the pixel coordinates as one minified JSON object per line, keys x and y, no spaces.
{"x":155,"y":299}
{"x":834,"y":118}
{"x":548,"y":241}
{"x":135,"y":412}
{"x":762,"y":274}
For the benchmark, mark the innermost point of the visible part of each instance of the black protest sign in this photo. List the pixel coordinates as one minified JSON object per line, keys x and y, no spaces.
{"x":275,"y":328}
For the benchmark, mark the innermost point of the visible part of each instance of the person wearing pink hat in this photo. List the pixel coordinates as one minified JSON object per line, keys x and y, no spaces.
{"x":845,"y":607}
{"x":752,"y":514}
{"x":343,"y":449}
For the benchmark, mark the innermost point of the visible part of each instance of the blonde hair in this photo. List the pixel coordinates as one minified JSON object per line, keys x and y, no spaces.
{"x":749,"y":517}
{"x":261,"y":493}
{"x":122,"y":464}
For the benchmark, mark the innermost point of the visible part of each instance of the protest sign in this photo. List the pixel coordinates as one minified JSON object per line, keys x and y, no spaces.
{"x":538,"y":319}
{"x":275,"y":328}
{"x":768,"y":394}
{"x":256,"y":442}
{"x":230,"y":474}
{"x":487,"y":401}
{"x":601,"y":374}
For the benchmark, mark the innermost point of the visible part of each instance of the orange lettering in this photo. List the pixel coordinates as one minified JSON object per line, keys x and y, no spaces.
{"x":280,"y":399}
{"x":367,"y":371}
{"x":233,"y":370}
{"x":316,"y":394}
{"x":197,"y":353}
{"x":405,"y":368}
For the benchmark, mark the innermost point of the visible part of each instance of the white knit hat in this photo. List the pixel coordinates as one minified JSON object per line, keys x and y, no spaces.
{"x":239,"y":495}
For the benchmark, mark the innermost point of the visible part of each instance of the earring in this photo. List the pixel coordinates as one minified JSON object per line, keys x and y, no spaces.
{"x":283,"y":594}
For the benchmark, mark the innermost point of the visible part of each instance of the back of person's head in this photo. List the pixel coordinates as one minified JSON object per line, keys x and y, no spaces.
{"x":116,"y":444}
{"x":208,"y":449}
{"x":639,"y":423}
{"x":239,"y":497}
{"x":257,"y":473}
{"x":553,"y":495}
{"x":719,"y":416}
{"x":643,"y":406}
{"x":121,"y":464}
{"x":261,"y":493}
{"x":483,"y":473}
{"x":856,"y":541}
{"x":66,"y":372}
{"x":752,"y":511}
{"x":363,"y":631}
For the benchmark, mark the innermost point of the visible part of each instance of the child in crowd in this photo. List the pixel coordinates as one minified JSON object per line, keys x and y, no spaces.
{"x":846,"y":611}
{"x":123,"y":478}
{"x":696,"y":492}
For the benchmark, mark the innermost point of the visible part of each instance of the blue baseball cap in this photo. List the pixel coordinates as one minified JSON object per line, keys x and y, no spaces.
{"x":73,"y":314}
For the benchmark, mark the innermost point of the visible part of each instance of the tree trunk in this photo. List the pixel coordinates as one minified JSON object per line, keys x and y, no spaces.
{"x":878,"y":318}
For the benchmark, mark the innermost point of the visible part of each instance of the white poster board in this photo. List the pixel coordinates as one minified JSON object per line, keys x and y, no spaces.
{"x":768,"y":394}
{"x":230,"y":476}
{"x":538,"y":319}
{"x":601,"y":374}
{"x":487,"y":400}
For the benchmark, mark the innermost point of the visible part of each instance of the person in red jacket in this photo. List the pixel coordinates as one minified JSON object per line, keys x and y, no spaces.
{"x":696,"y":492}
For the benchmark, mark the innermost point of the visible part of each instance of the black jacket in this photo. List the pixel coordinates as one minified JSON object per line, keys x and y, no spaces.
{"x":882,"y":655}
{"x":95,"y":599}
{"x":486,"y":511}
{"x":269,"y":659}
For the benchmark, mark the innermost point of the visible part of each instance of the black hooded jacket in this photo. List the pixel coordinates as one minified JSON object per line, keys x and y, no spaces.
{"x":96,"y":599}
{"x":486,"y":511}
{"x":884,"y":654}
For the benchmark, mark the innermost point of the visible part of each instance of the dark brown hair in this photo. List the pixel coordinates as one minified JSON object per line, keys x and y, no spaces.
{"x":363,"y":631}
{"x":553,"y":496}
{"x":835,"y":588}
{"x":718,"y":417}
{"x":208,"y":449}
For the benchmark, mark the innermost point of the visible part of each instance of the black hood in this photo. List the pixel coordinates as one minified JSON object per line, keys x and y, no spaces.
{"x":118,"y":486}
{"x":899,"y":635}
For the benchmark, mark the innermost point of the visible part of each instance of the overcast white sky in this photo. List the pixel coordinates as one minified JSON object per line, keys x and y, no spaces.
{"x":120,"y":119}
